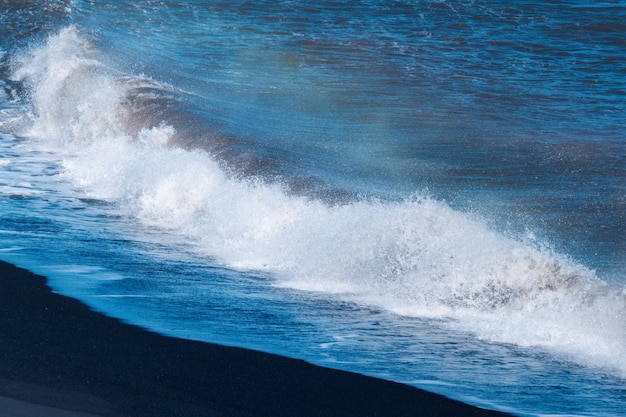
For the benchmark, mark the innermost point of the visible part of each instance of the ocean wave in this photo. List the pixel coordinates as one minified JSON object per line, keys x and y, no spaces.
{"x":126,"y":140}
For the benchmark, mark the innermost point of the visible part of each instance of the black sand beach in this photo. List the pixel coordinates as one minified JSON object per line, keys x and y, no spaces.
{"x":58,"y":358}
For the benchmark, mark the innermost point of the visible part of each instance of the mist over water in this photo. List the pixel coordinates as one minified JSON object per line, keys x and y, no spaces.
{"x":260,"y":170}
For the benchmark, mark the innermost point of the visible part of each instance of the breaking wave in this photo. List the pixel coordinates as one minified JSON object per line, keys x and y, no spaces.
{"x":129,"y":140}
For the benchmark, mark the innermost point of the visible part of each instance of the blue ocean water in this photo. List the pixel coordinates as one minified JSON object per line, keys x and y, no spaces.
{"x":426,"y":191}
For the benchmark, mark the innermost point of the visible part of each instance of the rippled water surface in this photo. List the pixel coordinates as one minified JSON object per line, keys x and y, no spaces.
{"x":429,"y":192}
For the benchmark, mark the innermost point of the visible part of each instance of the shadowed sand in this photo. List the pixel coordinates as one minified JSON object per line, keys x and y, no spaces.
{"x":56,"y":354}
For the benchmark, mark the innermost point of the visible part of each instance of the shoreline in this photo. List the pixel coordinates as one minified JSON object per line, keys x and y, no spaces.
{"x":58,"y":354}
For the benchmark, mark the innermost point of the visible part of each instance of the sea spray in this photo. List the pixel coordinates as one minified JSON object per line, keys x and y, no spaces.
{"x":416,"y":257}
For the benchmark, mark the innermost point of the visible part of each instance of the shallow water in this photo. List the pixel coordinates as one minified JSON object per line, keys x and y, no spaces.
{"x":427,"y":192}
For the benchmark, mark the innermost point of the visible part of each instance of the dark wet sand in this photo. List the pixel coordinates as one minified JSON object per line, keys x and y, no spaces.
{"x":58,"y":358}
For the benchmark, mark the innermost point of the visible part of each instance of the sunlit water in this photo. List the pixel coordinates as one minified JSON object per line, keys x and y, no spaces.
{"x":427,"y":192}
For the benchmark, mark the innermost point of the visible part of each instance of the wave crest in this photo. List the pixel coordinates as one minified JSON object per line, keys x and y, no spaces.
{"x":417,"y":257}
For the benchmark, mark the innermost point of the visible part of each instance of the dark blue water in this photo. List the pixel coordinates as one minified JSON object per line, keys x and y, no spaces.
{"x":429,"y":192}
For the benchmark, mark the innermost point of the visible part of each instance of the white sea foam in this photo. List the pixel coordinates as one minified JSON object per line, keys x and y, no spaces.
{"x":417,"y":257}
